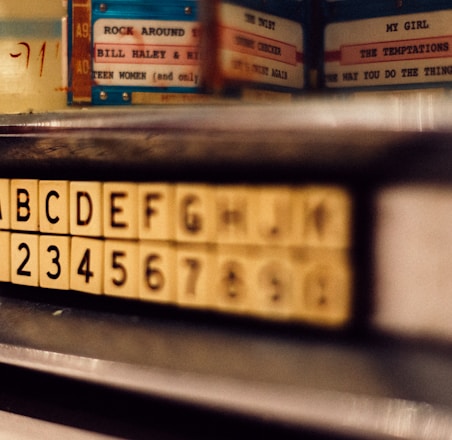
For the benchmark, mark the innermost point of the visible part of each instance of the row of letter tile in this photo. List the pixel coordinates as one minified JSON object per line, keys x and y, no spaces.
{"x":193,"y":213}
{"x":279,"y":282}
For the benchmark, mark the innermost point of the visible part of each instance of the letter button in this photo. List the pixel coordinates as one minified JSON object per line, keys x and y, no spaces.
{"x":273,"y":215}
{"x":54,"y":206}
{"x":323,"y":217}
{"x":24,"y":205}
{"x":156,"y":211}
{"x":5,"y":207}
{"x":195,"y":213}
{"x":120,"y":210}
{"x":233,"y":214}
{"x":85,"y":208}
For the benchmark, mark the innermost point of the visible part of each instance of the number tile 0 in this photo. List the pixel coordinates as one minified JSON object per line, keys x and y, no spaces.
{"x":323,"y":287}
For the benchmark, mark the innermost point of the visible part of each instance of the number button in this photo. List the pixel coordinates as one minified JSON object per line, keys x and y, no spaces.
{"x":231,"y":290}
{"x":194,"y":271}
{"x":272,"y":292}
{"x":24,"y":259}
{"x":5,"y":256}
{"x":324,"y":287}
{"x":121,"y":268}
{"x":157,"y":277}
{"x":54,"y":252}
{"x":87,"y":265}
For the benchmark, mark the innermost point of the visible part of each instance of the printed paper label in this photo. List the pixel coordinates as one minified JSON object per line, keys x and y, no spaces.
{"x":406,"y":49}
{"x":148,"y":53}
{"x":260,"y":48}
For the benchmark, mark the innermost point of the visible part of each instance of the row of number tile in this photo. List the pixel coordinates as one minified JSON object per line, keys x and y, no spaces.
{"x":276,"y":282}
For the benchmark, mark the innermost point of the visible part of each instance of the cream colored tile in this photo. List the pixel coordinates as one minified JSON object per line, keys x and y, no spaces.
{"x":5,"y":256}
{"x":273,"y":215}
{"x":195,"y":215}
{"x":54,"y":206}
{"x":234,"y":217}
{"x":121,"y":271}
{"x":231,"y":290}
{"x":157,"y":275}
{"x":120,"y":204}
{"x":156,"y":211}
{"x":25,"y":259}
{"x":324,"y":216}
{"x":323,"y":287}
{"x":85,"y":199}
{"x":272,"y":283}
{"x":54,"y":259}
{"x":24,"y":205}
{"x":195,"y":275}
{"x":87,"y":265}
{"x":5,"y":204}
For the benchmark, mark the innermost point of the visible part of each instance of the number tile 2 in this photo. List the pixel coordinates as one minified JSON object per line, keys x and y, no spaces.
{"x":25,"y":259}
